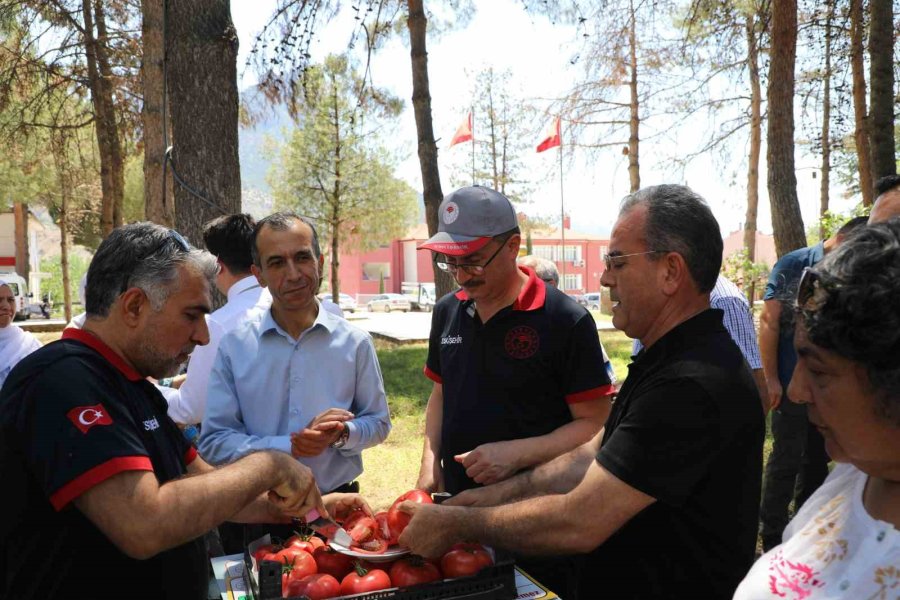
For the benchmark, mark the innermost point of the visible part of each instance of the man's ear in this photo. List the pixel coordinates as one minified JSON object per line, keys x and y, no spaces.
{"x":257,"y":272}
{"x":133,"y":304}
{"x":675,"y":273}
{"x":514,"y":243}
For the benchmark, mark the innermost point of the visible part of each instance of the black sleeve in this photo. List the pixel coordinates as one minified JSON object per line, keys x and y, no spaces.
{"x":433,"y":361}
{"x":585,"y":376}
{"x":77,"y":433}
{"x":666,"y":441}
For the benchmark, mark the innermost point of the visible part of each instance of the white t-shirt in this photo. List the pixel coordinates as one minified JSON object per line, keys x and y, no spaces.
{"x":832,"y":548}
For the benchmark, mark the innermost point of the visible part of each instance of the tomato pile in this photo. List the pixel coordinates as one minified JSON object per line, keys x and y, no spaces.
{"x":311,"y":568}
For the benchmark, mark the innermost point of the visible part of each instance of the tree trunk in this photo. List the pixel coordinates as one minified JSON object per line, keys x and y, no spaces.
{"x":202,"y":81}
{"x":23,"y":258}
{"x":881,"y":78}
{"x":782,"y":181}
{"x":108,"y":143}
{"x":634,"y":168}
{"x":421,"y":100}
{"x":750,"y":218}
{"x":336,"y":200}
{"x":861,"y":133}
{"x":159,"y":196}
{"x":825,"y":183}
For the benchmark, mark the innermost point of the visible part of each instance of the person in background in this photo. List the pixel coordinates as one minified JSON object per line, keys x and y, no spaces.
{"x":844,"y":542}
{"x":545,"y":269}
{"x":798,"y":463}
{"x":516,"y":364}
{"x":887,"y":199}
{"x":664,"y":501}
{"x":738,"y":320}
{"x":295,"y":377}
{"x":104,"y":494}
{"x":15,"y":343}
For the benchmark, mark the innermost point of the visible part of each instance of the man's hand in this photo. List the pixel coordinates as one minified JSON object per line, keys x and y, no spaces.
{"x":486,"y":496}
{"x":297,"y":492}
{"x":490,"y":463}
{"x":775,"y":392}
{"x":432,"y":529}
{"x":340,"y":506}
{"x":321,"y":432}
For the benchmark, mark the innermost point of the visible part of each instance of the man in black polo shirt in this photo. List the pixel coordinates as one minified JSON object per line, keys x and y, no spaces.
{"x":665,"y":503}
{"x":517,"y":365}
{"x":97,"y":500}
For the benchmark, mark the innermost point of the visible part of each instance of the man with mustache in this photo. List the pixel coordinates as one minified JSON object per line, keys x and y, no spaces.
{"x":103,"y":493}
{"x":517,"y":365}
{"x":295,"y":377}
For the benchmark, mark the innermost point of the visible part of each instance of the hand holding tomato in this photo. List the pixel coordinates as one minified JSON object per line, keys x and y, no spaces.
{"x":396,"y":519}
{"x":297,"y":493}
{"x":490,"y":463}
{"x":340,"y":506}
{"x":432,"y":528}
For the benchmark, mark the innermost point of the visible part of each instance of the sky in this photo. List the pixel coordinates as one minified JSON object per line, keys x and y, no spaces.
{"x":538,"y":53}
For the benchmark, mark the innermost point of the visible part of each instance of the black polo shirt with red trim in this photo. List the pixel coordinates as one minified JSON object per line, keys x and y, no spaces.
{"x":515,"y":376}
{"x":72,"y":415}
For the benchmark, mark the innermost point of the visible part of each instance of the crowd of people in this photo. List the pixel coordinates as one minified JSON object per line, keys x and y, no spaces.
{"x":651,"y":489}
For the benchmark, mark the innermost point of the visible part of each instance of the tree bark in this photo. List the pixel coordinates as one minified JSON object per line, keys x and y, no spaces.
{"x":159,"y":195}
{"x":421,"y":100}
{"x":782,"y":180}
{"x":825,"y":183}
{"x":23,"y":258}
{"x":750,"y":219}
{"x":861,"y":132}
{"x":202,"y":81}
{"x":881,"y":78}
{"x":112,"y":174}
{"x":634,"y":168}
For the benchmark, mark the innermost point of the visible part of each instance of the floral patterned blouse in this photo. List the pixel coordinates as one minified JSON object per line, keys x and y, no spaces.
{"x":832,"y":548}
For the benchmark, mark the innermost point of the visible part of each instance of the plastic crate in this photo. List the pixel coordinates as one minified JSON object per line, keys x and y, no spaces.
{"x":497,"y":582}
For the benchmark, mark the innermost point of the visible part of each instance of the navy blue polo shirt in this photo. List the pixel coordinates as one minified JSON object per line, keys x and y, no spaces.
{"x":515,"y":376}
{"x":72,"y":415}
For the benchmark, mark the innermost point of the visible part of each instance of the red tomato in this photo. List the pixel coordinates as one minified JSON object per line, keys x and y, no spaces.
{"x":261,"y":552}
{"x":360,"y":580}
{"x":363,"y":530}
{"x":332,"y":562}
{"x":397,"y":521}
{"x":305,"y":542}
{"x":353,"y":517}
{"x":413,"y":571}
{"x":314,"y":587}
{"x":297,"y":565}
{"x":381,"y":519}
{"x":464,"y":560}
{"x":374,"y":546}
{"x":295,"y":555}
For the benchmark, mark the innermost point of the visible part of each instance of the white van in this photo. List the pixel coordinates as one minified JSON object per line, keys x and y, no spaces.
{"x":20,"y":290}
{"x":592,"y":301}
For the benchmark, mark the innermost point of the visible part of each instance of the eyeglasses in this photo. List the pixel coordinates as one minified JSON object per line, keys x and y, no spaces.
{"x":171,"y":236}
{"x":608,"y":259}
{"x":812,"y":290}
{"x":470,"y":269}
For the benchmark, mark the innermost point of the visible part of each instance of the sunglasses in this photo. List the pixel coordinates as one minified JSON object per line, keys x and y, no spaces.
{"x":172,"y":236}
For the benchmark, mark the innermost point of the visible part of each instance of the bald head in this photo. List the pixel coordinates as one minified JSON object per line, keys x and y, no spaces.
{"x":887,"y":200}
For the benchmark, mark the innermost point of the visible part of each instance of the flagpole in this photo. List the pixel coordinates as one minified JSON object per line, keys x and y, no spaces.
{"x":562,"y":209}
{"x":472,"y":129}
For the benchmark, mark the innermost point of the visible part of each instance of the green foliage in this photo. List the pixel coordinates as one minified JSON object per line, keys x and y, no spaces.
{"x":407,"y":388}
{"x":833,"y":221}
{"x":739,"y":269}
{"x":53,"y":285}
{"x":134,"y":188}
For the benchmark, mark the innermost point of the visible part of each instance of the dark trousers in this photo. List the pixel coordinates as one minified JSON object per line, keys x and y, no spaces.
{"x":236,"y":536}
{"x":797,"y":466}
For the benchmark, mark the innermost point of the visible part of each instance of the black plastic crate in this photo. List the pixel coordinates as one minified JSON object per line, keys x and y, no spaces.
{"x":497,"y":582}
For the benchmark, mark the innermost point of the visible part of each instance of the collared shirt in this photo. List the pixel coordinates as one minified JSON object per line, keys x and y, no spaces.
{"x":266,"y":385}
{"x":245,"y":297}
{"x":515,"y":376}
{"x":737,"y":318}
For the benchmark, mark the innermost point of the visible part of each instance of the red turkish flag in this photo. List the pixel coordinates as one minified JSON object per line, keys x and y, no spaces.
{"x":85,"y":417}
{"x":463,"y":132}
{"x":552,"y":137}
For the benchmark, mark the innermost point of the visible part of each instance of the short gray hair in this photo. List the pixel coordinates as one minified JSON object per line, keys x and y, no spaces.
{"x":545,"y":269}
{"x":143,"y":255}
{"x":859,"y":317}
{"x":281,"y":221}
{"x":679,"y":220}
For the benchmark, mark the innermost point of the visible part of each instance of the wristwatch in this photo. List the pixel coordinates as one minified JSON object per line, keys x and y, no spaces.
{"x":342,"y":439}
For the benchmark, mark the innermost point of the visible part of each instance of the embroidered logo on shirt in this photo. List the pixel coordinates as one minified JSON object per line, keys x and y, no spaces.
{"x":85,"y":417}
{"x":451,"y":339}
{"x":521,"y":342}
{"x":151,"y":424}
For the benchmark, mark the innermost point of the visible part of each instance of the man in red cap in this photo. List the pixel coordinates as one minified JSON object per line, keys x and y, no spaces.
{"x":517,"y":365}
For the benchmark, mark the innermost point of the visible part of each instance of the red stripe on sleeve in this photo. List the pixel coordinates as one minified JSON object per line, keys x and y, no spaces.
{"x":98,"y":475}
{"x":432,"y":375}
{"x":591,"y":394}
{"x":190,"y":455}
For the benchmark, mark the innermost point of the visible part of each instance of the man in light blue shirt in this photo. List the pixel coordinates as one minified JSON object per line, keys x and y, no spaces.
{"x":295,"y":378}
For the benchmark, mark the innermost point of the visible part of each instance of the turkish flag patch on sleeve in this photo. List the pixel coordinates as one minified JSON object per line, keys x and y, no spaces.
{"x":85,"y":417}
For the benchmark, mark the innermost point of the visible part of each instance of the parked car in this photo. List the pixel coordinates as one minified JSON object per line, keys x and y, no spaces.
{"x":389,"y":302}
{"x":345,"y":301}
{"x":579,"y":298}
{"x":592,"y":301}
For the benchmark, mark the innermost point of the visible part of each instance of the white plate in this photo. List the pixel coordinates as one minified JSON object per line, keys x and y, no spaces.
{"x":386,"y":556}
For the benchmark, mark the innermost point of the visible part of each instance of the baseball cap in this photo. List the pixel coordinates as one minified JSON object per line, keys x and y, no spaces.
{"x":468,"y":218}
